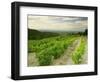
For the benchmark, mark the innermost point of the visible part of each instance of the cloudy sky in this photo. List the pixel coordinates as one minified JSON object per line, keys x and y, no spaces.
{"x":57,"y":23}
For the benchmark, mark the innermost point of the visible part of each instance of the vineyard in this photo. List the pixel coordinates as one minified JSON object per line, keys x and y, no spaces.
{"x":45,"y":51}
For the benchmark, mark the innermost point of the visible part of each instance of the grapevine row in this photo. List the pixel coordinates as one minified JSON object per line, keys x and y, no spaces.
{"x":50,"y":48}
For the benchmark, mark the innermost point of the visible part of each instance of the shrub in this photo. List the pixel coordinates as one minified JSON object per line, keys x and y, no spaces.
{"x":79,"y":52}
{"x":44,"y":58}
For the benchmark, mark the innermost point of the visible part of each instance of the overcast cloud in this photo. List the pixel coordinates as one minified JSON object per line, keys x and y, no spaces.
{"x":57,"y":23}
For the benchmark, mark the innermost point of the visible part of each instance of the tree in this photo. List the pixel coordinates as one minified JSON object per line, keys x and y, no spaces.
{"x":86,"y":32}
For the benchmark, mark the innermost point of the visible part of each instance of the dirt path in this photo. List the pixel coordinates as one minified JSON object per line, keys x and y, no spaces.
{"x":32,"y":60}
{"x":66,"y":58}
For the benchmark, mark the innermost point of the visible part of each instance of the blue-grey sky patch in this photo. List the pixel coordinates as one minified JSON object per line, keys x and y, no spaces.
{"x":68,"y":19}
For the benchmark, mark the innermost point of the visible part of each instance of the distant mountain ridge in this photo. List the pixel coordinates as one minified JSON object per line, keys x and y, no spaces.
{"x":35,"y":34}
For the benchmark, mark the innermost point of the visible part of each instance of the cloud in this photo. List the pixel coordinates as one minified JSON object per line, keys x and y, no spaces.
{"x":66,"y":23}
{"x":67,"y":19}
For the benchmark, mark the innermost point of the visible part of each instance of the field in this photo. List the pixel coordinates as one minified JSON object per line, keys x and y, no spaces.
{"x":56,"y":48}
